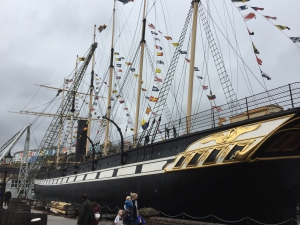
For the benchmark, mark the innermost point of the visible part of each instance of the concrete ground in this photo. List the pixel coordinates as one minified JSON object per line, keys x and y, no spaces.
{"x":58,"y":220}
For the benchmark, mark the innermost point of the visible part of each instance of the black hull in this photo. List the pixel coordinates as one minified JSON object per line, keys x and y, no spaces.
{"x":260,"y":190}
{"x":266,"y":191}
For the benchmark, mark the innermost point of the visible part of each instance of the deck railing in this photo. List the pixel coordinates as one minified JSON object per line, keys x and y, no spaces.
{"x":271,"y":101}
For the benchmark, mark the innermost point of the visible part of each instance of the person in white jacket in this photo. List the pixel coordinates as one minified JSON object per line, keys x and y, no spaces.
{"x":119,"y":218}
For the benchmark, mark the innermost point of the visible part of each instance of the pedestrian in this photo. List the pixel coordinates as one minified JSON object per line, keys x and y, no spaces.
{"x":86,"y":210}
{"x":7,"y":197}
{"x":119,"y":218}
{"x":135,"y":212}
{"x":97,"y":212}
{"x":128,"y":206}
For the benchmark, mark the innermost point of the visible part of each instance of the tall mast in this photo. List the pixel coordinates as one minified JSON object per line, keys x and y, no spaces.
{"x":111,"y":70}
{"x":60,"y":124}
{"x":137,"y":111}
{"x":91,"y":97}
{"x":192,"y":64}
{"x":73,"y":109}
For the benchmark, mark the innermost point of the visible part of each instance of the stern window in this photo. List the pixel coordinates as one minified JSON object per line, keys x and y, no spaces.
{"x":211,"y":158}
{"x":233,"y":151}
{"x":180,"y":161}
{"x":194,"y":160}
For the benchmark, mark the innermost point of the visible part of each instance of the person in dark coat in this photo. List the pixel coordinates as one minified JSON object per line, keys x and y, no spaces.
{"x":135,"y":210}
{"x":7,"y":197}
{"x":85,"y":210}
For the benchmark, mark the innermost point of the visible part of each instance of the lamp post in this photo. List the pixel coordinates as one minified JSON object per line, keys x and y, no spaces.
{"x":8,"y":158}
{"x":120,"y":132}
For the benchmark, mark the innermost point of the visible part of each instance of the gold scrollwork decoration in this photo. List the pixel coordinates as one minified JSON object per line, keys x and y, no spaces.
{"x":221,"y":138}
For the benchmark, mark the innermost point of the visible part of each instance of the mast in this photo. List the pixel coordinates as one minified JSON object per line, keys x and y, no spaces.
{"x":73,"y":109}
{"x":91,"y":97}
{"x":137,"y":111}
{"x":111,"y":70}
{"x":192,"y":64}
{"x":60,"y":124}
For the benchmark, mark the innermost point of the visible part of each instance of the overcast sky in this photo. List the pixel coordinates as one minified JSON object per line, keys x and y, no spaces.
{"x":39,"y":41}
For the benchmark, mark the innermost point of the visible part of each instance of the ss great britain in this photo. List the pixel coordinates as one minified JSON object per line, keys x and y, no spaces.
{"x":237,"y":160}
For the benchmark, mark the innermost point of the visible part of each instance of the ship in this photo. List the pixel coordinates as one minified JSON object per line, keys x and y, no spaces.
{"x":239,"y":161}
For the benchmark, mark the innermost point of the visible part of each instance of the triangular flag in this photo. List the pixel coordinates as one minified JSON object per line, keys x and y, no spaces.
{"x":250,"y":33}
{"x":257,"y":8}
{"x":249,"y":16}
{"x":156,"y":79}
{"x":101,"y":28}
{"x":295,"y":39}
{"x":280,"y":27}
{"x":168,"y":37}
{"x":175,"y":44}
{"x":151,"y":26}
{"x":271,"y":17}
{"x":259,"y":61}
{"x":157,"y":70}
{"x":255,"y":49}
{"x":155,"y":88}
{"x":243,"y":7}
{"x":158,"y":47}
{"x":263,"y":74}
{"x":144,"y":124}
{"x":148,"y":110}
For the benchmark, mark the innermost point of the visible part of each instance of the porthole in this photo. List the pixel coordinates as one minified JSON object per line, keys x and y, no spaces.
{"x":158,"y":153}
{"x":147,"y":155}
{"x":142,"y":156}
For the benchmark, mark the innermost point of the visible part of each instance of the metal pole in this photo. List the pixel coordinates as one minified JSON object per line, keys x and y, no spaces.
{"x":247,"y":107}
{"x":111,"y":70}
{"x":73,"y":108}
{"x":61,"y":124}
{"x":137,"y":110}
{"x":120,"y":132}
{"x":213,"y":117}
{"x":291,"y":95}
{"x":3,"y":188}
{"x":91,"y":97}
{"x":192,"y":64}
